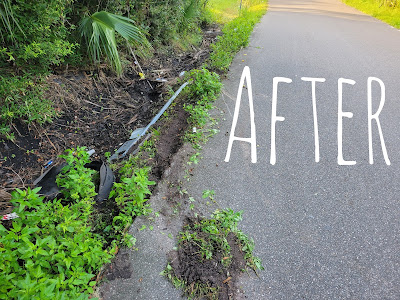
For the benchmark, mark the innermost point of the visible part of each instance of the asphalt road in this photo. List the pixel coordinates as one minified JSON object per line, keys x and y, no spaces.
{"x":322,"y":230}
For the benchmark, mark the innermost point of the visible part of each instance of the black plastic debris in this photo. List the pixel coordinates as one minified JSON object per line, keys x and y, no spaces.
{"x":106,"y":179}
{"x":49,"y":188}
{"x":47,"y":182}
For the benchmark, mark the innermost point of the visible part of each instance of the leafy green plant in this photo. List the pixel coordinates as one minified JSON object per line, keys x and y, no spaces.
{"x":21,"y":97}
{"x":149,"y":147}
{"x":50,"y":251}
{"x":75,"y":178}
{"x":130,"y":194}
{"x":205,"y":85}
{"x":98,"y":31}
{"x":194,"y":159}
{"x":56,"y":248}
{"x":208,"y":194}
{"x":130,"y":198}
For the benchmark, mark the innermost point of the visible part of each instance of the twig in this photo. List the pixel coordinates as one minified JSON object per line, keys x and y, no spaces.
{"x":162,"y":70}
{"x":141,"y":70}
{"x":19,"y":133}
{"x":11,"y":169}
{"x":58,"y":124}
{"x":45,"y":133}
{"x":102,"y":107}
{"x":50,"y":141}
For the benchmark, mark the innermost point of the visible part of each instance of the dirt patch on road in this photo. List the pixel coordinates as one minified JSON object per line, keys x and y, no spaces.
{"x":207,"y":263}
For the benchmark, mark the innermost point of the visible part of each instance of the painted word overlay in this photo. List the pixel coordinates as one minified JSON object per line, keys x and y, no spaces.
{"x":275,"y":118}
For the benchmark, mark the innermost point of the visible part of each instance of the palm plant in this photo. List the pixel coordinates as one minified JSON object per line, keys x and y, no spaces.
{"x":98,"y":31}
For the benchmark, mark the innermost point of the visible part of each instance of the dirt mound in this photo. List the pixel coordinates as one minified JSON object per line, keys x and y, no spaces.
{"x":214,"y":277}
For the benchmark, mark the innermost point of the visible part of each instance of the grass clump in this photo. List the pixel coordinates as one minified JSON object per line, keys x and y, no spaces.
{"x":211,"y":252}
{"x":203,"y":90}
{"x":224,"y":11}
{"x":386,"y":11}
{"x":205,"y":85}
{"x":236,"y":35}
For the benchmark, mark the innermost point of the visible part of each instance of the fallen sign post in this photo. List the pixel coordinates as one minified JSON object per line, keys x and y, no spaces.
{"x":140,"y":132}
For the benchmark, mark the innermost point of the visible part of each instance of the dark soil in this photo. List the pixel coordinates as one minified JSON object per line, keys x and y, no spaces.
{"x":170,"y":140}
{"x":100,"y":111}
{"x":121,"y":267}
{"x":189,"y":266}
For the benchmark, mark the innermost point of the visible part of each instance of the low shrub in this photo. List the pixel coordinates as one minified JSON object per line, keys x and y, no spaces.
{"x":53,"y":250}
{"x":21,"y":98}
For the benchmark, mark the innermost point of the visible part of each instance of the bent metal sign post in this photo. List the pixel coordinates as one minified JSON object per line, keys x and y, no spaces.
{"x":372,"y":116}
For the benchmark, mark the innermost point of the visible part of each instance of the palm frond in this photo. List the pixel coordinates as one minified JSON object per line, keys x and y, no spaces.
{"x":99,"y":29}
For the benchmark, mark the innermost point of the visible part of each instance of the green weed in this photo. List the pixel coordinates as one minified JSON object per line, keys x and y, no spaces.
{"x":236,"y":35}
{"x":129,"y":201}
{"x":55,"y":249}
{"x":130,"y":194}
{"x":194,"y":159}
{"x":204,"y":89}
{"x":205,"y":86}
{"x":149,"y":147}
{"x":141,"y":160}
{"x":208,"y":194}
{"x":75,"y":179}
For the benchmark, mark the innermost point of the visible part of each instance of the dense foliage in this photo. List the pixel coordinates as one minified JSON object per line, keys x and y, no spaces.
{"x":43,"y":34}
{"x":236,"y":34}
{"x":38,"y":36}
{"x":55,"y":249}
